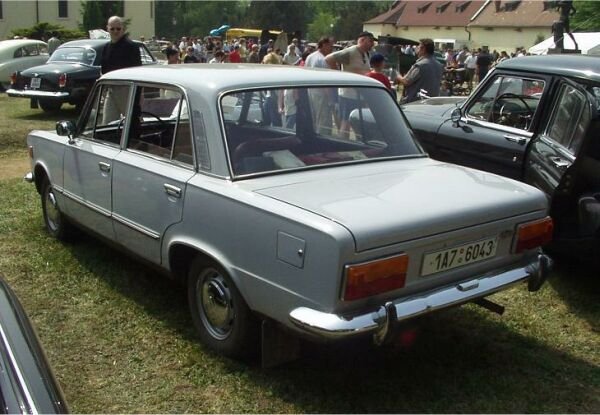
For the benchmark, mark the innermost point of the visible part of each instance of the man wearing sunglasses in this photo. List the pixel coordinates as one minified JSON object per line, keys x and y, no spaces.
{"x":120,"y":52}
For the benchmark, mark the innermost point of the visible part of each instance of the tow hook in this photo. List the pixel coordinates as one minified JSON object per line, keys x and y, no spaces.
{"x":489,"y":305}
{"x":539,"y":272}
{"x":384,"y":333}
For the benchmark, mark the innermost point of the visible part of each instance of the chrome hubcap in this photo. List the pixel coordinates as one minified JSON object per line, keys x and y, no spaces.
{"x":216,"y":305}
{"x":52,"y":213}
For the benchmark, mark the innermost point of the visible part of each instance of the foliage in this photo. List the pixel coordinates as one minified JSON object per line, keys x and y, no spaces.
{"x":95,"y":13}
{"x":587,"y":17}
{"x":322,"y":25}
{"x":44,"y":28}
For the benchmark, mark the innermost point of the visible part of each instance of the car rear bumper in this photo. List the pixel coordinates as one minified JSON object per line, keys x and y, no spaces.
{"x":331,"y":326}
{"x":31,"y":93}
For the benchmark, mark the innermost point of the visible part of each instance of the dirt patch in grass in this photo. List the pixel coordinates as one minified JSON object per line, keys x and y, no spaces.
{"x":15,"y":166}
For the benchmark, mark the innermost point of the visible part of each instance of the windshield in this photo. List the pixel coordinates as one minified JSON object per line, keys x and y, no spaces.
{"x":280,"y":129}
{"x":74,"y":55}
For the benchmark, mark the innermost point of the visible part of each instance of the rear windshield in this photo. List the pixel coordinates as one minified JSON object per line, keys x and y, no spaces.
{"x":86,"y":56}
{"x":271,"y":130}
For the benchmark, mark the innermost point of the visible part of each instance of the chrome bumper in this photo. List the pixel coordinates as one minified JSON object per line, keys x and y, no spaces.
{"x":33,"y":93}
{"x":332,"y":326}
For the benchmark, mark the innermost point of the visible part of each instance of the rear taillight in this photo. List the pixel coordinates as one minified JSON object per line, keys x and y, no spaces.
{"x":534,"y":234}
{"x":13,"y":78}
{"x":62,"y":80}
{"x":375,"y":277}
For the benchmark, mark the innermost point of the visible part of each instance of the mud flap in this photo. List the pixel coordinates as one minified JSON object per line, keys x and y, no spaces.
{"x":277,"y":345}
{"x":33,"y":103}
{"x":589,"y":214}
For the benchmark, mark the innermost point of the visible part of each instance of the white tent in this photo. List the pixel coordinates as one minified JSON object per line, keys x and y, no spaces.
{"x":589,"y":44}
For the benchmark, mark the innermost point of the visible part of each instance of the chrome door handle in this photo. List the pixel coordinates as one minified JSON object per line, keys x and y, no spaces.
{"x":559,"y":162}
{"x":104,"y":166}
{"x":172,"y":190}
{"x":515,"y":139}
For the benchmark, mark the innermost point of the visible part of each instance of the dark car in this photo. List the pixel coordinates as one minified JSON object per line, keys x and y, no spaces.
{"x":533,"y":119}
{"x":27,"y":384}
{"x":68,"y":76}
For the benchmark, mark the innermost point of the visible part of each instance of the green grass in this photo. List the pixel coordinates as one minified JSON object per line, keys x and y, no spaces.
{"x":120,"y":339}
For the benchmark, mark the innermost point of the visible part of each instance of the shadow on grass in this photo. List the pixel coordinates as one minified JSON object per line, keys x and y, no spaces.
{"x":456,"y":361}
{"x":67,"y":112}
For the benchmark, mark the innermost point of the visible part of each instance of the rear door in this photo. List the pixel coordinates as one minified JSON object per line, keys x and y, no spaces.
{"x":150,"y":175}
{"x":554,"y":154}
{"x":496,"y":126}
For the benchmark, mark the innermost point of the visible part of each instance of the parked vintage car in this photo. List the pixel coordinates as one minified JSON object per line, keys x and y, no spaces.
{"x":67,"y":77}
{"x":533,"y":119}
{"x":327,"y":234}
{"x":27,"y":383}
{"x":18,"y":55}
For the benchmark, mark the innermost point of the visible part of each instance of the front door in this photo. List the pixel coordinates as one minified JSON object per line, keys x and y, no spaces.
{"x":496,"y":126}
{"x":88,"y":161}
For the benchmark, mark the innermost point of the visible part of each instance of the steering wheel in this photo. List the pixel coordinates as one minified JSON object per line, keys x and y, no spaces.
{"x":160,"y":120}
{"x":504,"y":113}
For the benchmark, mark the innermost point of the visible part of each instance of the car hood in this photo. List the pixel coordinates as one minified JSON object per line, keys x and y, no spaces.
{"x":56,"y":68}
{"x":438,"y":107}
{"x":404,"y":200}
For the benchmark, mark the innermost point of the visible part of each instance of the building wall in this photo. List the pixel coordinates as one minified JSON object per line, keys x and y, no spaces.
{"x":141,"y":13}
{"x":26,"y":13}
{"x":499,"y":38}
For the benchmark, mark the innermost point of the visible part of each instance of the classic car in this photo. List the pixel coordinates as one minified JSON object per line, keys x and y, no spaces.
{"x":18,"y":55}
{"x":67,"y":77}
{"x":533,"y":119}
{"x":314,"y":231}
{"x":27,"y":383}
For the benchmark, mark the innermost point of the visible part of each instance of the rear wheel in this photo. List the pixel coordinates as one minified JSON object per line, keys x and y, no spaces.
{"x":220,"y":314}
{"x":57,"y":225}
{"x":49,"y":105}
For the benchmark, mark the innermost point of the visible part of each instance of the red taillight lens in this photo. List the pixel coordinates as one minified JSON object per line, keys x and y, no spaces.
{"x":13,"y":78}
{"x":62,"y":80}
{"x":375,"y":277}
{"x":534,"y":234}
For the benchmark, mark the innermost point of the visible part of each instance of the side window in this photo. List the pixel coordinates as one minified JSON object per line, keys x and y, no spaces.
{"x":160,"y":125}
{"x":509,"y":101}
{"x":570,"y":117}
{"x":18,"y":53}
{"x":31,"y":50}
{"x":145,"y":55}
{"x":106,"y":117}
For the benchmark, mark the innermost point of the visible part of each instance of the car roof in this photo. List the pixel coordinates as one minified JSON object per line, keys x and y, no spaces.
{"x":15,"y":43}
{"x":569,"y":65}
{"x":225,"y":77}
{"x":93,"y":43}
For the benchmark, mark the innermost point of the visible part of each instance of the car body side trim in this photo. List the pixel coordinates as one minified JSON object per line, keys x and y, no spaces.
{"x":92,"y":206}
{"x":136,"y":227}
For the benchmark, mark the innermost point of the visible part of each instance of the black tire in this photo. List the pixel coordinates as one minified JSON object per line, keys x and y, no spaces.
{"x":220,"y":314}
{"x":49,"y":105}
{"x":56,"y":223}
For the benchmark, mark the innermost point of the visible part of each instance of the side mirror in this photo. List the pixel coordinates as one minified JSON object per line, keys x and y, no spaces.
{"x":66,"y":128}
{"x":455,"y":117}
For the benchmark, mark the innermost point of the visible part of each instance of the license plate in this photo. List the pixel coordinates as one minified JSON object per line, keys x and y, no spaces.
{"x":459,"y":256}
{"x":35,"y":83}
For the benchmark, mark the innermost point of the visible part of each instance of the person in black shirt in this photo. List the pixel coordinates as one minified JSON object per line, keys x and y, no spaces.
{"x":120,"y":52}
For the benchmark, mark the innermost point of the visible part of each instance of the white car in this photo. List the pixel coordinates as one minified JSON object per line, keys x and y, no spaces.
{"x":19,"y":54}
{"x":238,"y":181}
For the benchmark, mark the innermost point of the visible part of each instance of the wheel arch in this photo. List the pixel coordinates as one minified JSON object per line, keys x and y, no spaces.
{"x":39,"y":174}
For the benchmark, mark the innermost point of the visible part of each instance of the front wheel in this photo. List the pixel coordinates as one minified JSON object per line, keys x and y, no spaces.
{"x":220,"y":314}
{"x":56,"y":223}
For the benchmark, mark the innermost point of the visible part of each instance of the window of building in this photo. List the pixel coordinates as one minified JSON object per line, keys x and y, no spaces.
{"x":511,"y":5}
{"x":423,"y":8}
{"x":461,"y":7}
{"x":63,"y":8}
{"x":152,"y":10}
{"x":442,"y":7}
{"x":1,"y":12}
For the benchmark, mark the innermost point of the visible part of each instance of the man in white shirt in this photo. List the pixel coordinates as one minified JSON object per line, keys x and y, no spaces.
{"x":352,"y":59}
{"x":323,"y":98}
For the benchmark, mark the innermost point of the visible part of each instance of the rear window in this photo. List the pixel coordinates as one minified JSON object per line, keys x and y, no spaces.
{"x":271,"y":130}
{"x":86,"y":56}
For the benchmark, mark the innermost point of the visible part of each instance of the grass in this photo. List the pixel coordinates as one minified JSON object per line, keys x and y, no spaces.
{"x":120,"y":339}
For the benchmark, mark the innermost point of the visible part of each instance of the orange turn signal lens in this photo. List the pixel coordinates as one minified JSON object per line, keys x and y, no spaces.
{"x":13,"y":78}
{"x":534,"y":234}
{"x":375,"y":277}
{"x":30,"y":152}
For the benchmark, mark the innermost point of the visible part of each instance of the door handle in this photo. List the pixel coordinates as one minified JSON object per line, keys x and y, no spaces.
{"x":172,"y":190}
{"x":515,"y":139}
{"x":104,"y":166}
{"x":560,"y":162}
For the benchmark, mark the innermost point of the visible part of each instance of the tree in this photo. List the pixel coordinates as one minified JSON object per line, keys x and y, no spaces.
{"x":95,"y":13}
{"x":322,"y":25}
{"x":587,"y":17}
{"x":43,"y":28}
